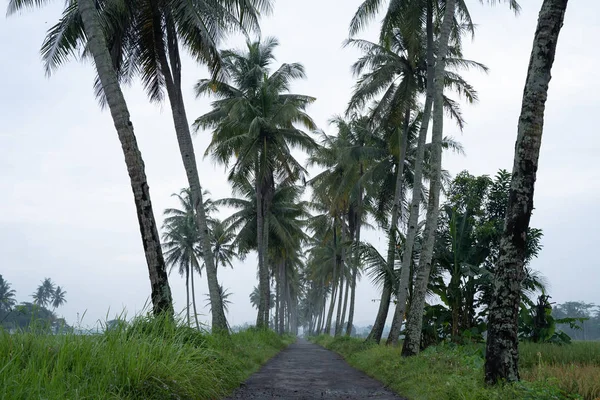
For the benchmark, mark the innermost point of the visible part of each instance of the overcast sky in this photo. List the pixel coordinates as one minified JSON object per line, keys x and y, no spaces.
{"x":66,"y":208}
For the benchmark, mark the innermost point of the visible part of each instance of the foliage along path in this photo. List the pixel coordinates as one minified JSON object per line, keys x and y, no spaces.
{"x":307,"y":371}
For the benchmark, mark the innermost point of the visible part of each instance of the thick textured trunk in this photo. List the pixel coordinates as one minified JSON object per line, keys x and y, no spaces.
{"x":187,"y":294}
{"x":171,"y":71}
{"x":502,"y":343}
{"x":404,"y":281}
{"x":194,"y":267}
{"x":412,"y":341}
{"x":161,"y":292}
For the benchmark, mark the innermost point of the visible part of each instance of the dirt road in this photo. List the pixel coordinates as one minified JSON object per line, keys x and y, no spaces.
{"x":307,"y":371}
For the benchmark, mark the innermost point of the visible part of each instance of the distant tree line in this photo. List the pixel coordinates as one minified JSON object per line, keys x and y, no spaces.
{"x":35,"y":315}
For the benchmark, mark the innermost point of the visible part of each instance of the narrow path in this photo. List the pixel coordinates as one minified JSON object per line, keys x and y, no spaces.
{"x":307,"y":371}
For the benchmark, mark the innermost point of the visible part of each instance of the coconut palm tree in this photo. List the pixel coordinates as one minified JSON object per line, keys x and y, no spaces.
{"x":58,"y":297}
{"x":414,"y":324}
{"x":254,"y":122}
{"x":145,"y":37}
{"x":181,"y":244}
{"x":96,"y":45}
{"x":7,"y":296}
{"x":502,"y":354}
{"x":44,"y":293}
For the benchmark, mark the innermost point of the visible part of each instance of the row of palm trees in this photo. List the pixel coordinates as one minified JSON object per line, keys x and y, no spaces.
{"x":378,"y":155}
{"x":46,"y":294}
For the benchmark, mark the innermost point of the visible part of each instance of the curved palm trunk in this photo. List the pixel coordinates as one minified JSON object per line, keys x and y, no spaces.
{"x":386,"y":295}
{"x":194,"y":297}
{"x":404,"y":281}
{"x":338,"y":314}
{"x":340,"y":326}
{"x":187,"y":293}
{"x":415,"y":319}
{"x":161,"y":292}
{"x":502,"y":355}
{"x":171,"y":71}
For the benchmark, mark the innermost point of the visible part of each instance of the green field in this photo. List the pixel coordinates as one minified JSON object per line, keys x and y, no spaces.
{"x":147,"y":360}
{"x":456,"y":372}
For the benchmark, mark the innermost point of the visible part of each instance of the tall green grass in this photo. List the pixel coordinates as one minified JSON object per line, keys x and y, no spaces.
{"x":149,"y":359}
{"x":439,"y":373}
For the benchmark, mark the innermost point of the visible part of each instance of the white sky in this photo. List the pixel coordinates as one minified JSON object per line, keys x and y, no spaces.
{"x":66,"y":208}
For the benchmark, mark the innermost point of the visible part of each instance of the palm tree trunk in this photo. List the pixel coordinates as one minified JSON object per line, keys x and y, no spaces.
{"x":355,"y":262}
{"x":260,"y":223}
{"x":172,"y":75}
{"x":386,"y":295}
{"x":277,"y":298}
{"x":382,"y":312}
{"x":415,"y":319}
{"x":404,"y":282}
{"x":281,"y":293}
{"x":161,"y":292}
{"x":347,"y":289}
{"x":502,"y":344}
{"x":187,"y":293}
{"x":338,"y":314}
{"x":194,"y":267}
{"x":334,"y":281}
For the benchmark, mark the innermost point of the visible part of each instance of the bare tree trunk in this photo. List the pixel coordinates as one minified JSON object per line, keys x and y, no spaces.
{"x":355,"y":263}
{"x":415,"y":318}
{"x":187,"y":293}
{"x":384,"y":305}
{"x":194,"y":267}
{"x":338,"y":314}
{"x":404,"y":281}
{"x":502,"y":356}
{"x":282,"y":298}
{"x":277,"y":298}
{"x":161,"y":292}
{"x":331,"y":304}
{"x":260,"y":225}
{"x":171,"y":71}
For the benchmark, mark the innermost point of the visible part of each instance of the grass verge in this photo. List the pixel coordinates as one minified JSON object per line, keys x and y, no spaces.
{"x":148,"y":359}
{"x":456,"y":372}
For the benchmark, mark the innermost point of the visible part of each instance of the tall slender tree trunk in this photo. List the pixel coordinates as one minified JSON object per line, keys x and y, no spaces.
{"x":404,"y":282}
{"x":386,"y":295}
{"x":355,"y":261}
{"x":161,"y":292}
{"x":338,"y":314}
{"x":319,"y":320}
{"x":171,"y":71}
{"x":277,"y":298}
{"x":282,"y":299}
{"x":194,"y":267}
{"x":334,"y":282}
{"x":260,"y":224}
{"x":502,"y":356}
{"x":415,"y":318}
{"x":187,"y":293}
